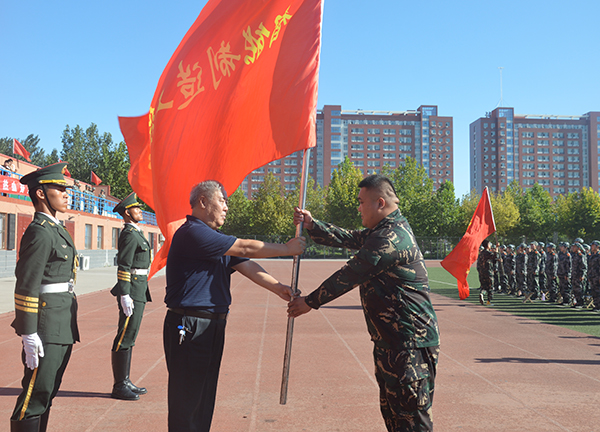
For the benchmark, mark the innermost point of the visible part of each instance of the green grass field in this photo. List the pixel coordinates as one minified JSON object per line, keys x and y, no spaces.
{"x":581,"y":320}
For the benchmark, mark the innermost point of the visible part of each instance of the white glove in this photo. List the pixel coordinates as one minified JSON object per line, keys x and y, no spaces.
{"x":127,"y":305}
{"x":32,"y":344}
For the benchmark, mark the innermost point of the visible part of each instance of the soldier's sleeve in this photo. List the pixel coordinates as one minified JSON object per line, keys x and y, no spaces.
{"x":34,"y":252}
{"x":330,"y":235}
{"x":127,"y":247}
{"x":375,"y":257}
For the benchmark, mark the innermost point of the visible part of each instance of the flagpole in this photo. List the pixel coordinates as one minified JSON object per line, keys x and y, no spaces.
{"x":295,"y":272}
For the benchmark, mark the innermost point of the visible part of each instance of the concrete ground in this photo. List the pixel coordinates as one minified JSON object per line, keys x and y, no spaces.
{"x":497,"y":372}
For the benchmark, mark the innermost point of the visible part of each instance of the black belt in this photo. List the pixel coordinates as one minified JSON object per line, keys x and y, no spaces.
{"x":199,"y":313}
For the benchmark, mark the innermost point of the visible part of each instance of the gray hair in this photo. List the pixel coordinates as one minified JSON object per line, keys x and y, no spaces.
{"x":205,"y":189}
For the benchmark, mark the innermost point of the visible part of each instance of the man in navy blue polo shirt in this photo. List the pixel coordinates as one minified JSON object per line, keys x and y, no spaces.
{"x":199,"y":266}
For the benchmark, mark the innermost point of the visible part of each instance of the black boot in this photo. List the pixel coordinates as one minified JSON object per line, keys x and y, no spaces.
{"x":30,"y":425}
{"x":132,"y":386}
{"x":44,"y":420}
{"x":120,"y":366}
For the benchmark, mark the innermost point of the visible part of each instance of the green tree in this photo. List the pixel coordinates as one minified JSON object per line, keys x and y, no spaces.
{"x":315,"y":199}
{"x":506,"y":214}
{"x":341,"y":199}
{"x":269,"y":212}
{"x":238,"y":221}
{"x":445,"y":207}
{"x":578,"y":214}
{"x":415,"y":193}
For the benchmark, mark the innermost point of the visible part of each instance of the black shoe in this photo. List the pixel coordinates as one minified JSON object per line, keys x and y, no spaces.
{"x":122,"y":391}
{"x":136,"y":389}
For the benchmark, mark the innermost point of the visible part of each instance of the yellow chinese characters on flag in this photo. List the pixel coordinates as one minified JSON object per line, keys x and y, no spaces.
{"x":239,"y":92}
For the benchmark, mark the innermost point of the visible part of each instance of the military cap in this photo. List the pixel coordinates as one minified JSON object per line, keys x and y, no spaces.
{"x":523,"y":245}
{"x":51,"y":174}
{"x":511,"y":246}
{"x":578,"y":240}
{"x":595,"y":243}
{"x":551,"y":245}
{"x":127,"y":202}
{"x":502,"y":246}
{"x":565,"y":244}
{"x":585,"y":246}
{"x":542,"y":244}
{"x":534,"y":243}
{"x":577,"y":245}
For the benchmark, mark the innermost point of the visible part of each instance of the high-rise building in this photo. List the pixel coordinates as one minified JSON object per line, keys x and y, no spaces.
{"x":371,"y":139}
{"x":560,"y":153}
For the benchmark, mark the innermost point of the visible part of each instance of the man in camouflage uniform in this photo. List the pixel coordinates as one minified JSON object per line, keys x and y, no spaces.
{"x":533,"y":270}
{"x":521,"y":269}
{"x":509,"y":269}
{"x":564,"y":274}
{"x":542,"y":273}
{"x":594,"y":274}
{"x":578,"y":273}
{"x":503,"y":276}
{"x":495,"y":268}
{"x":587,"y":296}
{"x":551,"y":271}
{"x":485,"y":267}
{"x":394,"y":290}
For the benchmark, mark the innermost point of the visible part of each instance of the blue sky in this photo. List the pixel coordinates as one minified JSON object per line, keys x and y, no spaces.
{"x":77,"y":63}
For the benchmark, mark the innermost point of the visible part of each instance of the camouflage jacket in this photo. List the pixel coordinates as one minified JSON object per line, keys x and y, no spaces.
{"x":486,"y":261}
{"x":533,"y":262}
{"x":578,"y":265}
{"x":394,"y":285}
{"x":521,"y":263}
{"x":594,"y":269}
{"x":542,"y":268}
{"x":551,"y":264}
{"x":564,"y":264}
{"x":509,"y":264}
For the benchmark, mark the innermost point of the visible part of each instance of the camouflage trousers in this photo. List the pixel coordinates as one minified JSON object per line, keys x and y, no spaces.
{"x":551,"y":287}
{"x":521,"y":283}
{"x":485,"y":287}
{"x":577,"y":285}
{"x":406,"y":383}
{"x":533,"y":285}
{"x":564,"y":286}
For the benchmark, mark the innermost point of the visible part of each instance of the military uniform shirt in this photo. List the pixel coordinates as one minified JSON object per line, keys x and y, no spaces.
{"x":134,"y":253}
{"x":393,"y":280}
{"x":47,"y":256}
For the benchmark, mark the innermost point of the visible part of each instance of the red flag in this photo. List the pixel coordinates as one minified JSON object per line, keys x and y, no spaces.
{"x":19,"y":149}
{"x":458,"y":262}
{"x":95,"y":179}
{"x":239,"y":92}
{"x":67,"y":173}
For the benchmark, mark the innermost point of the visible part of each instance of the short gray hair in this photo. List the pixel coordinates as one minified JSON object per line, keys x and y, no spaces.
{"x":205,"y":189}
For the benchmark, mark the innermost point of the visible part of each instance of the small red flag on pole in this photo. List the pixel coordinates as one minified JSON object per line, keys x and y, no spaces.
{"x":95,"y":179}
{"x":19,"y":149}
{"x":458,"y":262}
{"x":239,"y":92}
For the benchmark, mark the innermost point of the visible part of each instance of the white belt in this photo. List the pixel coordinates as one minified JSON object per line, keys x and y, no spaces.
{"x":56,"y":288}
{"x":140,"y":271}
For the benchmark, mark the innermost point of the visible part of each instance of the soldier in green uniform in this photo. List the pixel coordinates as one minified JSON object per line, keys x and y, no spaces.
{"x":45,"y":304}
{"x":132,"y":294}
{"x":394,"y":289}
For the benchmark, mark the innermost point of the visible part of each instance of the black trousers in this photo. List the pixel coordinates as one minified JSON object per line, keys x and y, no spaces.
{"x":193,"y":368}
